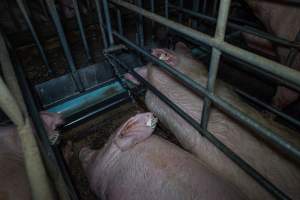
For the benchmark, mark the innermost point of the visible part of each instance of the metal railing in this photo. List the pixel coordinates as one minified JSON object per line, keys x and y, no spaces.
{"x":219,"y":46}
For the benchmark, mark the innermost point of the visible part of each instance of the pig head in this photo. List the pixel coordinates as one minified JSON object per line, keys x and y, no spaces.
{"x":134,"y":165}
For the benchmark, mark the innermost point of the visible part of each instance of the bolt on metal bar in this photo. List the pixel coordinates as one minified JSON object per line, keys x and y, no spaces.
{"x":34,"y":34}
{"x":82,"y":31}
{"x":55,"y":17}
{"x":235,"y":113}
{"x":215,"y":58}
{"x":196,"y":6}
{"x":260,"y":62}
{"x":108,"y":22}
{"x":101,"y":23}
{"x":246,"y":29}
{"x":277,"y":193}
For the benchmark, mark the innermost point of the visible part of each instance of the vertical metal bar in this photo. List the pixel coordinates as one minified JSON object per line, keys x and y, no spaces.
{"x":152,"y":9}
{"x":119,"y":21}
{"x":167,"y":9}
{"x":215,"y":58}
{"x":82,"y":31}
{"x":204,"y":6}
{"x":101,"y":24}
{"x":293,"y":52}
{"x":180,"y":4}
{"x":196,"y":4}
{"x":34,"y":35}
{"x":108,"y":22}
{"x":55,"y":17}
{"x":215,"y":8}
{"x":140,"y":25}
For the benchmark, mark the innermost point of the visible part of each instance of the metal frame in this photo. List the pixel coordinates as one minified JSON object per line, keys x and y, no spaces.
{"x":219,"y":47}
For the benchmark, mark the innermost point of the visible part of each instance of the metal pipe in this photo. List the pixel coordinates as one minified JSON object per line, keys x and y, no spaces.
{"x":215,"y":7}
{"x":108,"y":22}
{"x":152,"y":9}
{"x":65,"y":46}
{"x":204,"y":6}
{"x":180,"y":4}
{"x":101,"y":24}
{"x":82,"y":31}
{"x":277,"y":193}
{"x":259,"y":61}
{"x":35,"y":169}
{"x":215,"y":58}
{"x":167,"y":9}
{"x":119,"y":21}
{"x":34,"y":34}
{"x":246,"y":29}
{"x":259,"y":129}
{"x":270,"y":108}
{"x":140,"y":26}
{"x":49,"y":157}
{"x":196,"y":5}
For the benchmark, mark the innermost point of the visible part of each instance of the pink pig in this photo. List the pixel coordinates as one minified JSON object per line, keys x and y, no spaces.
{"x":13,"y":179}
{"x":134,"y":165}
{"x":273,"y":165}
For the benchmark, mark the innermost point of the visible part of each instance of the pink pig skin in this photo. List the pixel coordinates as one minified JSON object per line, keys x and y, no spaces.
{"x":134,"y":165}
{"x":274,"y":166}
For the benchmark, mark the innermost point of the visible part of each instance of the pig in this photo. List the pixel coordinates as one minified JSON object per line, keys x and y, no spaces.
{"x":14,"y":183}
{"x":282,"y":20}
{"x":134,"y":165}
{"x":274,"y":166}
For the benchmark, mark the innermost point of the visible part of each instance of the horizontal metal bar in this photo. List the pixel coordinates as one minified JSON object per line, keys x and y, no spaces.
{"x":246,"y":29}
{"x":259,"y":129}
{"x":259,"y":61}
{"x":223,"y":148}
{"x":270,"y":108}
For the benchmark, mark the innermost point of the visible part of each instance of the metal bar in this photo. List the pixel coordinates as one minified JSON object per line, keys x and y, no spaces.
{"x":101,"y":23}
{"x":223,"y":148}
{"x":246,"y":29}
{"x":259,"y":129}
{"x":215,"y":58}
{"x":180,"y":4}
{"x":259,"y":61}
{"x":65,"y":46}
{"x":215,"y":8}
{"x":204,"y":6}
{"x":119,"y":21}
{"x":270,"y":108}
{"x":46,"y":150}
{"x":82,"y":31}
{"x":108,"y":22}
{"x":34,"y":34}
{"x":196,"y":5}
{"x":152,"y":9}
{"x":140,"y":26}
{"x":167,"y":9}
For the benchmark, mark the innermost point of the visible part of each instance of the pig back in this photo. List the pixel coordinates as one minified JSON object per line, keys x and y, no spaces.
{"x":157,"y":169}
{"x":275,"y":167}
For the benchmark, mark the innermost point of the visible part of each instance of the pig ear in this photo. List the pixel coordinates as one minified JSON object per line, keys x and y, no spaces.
{"x":134,"y":131}
{"x":142,"y":71}
{"x":181,"y":48}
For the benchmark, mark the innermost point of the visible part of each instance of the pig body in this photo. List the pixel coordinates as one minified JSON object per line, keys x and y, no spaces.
{"x":282,"y":20}
{"x":14,"y":182}
{"x":278,"y":169}
{"x":151,"y":168}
